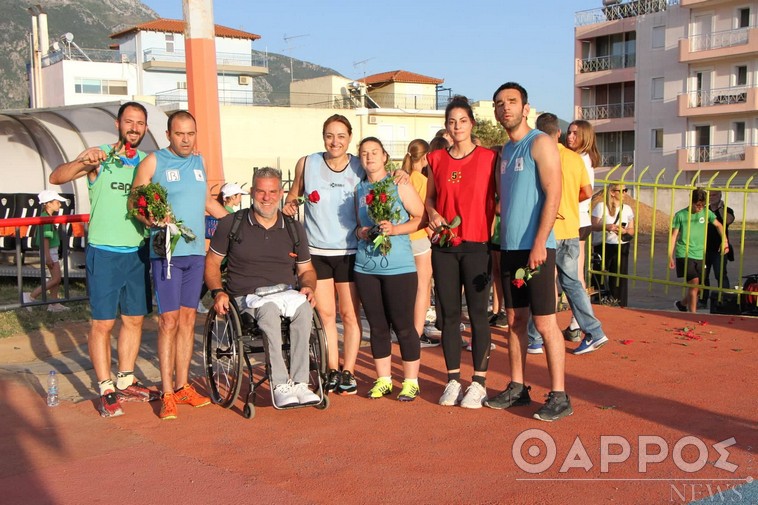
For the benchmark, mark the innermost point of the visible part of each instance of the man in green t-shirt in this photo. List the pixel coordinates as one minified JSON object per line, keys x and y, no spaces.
{"x":117,"y":258}
{"x":687,"y":247}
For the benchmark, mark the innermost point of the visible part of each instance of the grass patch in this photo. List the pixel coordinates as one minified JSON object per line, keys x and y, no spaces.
{"x":20,"y":321}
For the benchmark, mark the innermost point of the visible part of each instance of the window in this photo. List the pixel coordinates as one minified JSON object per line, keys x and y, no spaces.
{"x":657,"y":88}
{"x":100,"y":87}
{"x":743,"y":18}
{"x":169,"y":42}
{"x":738,"y":132}
{"x":659,"y":37}
{"x":740,"y":75}
{"x":656,"y":138}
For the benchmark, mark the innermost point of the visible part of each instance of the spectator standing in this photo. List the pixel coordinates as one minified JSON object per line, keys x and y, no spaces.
{"x":615,"y":220}
{"x":715,"y":261}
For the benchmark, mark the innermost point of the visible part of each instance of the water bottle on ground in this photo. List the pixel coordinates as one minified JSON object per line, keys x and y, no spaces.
{"x":52,"y":389}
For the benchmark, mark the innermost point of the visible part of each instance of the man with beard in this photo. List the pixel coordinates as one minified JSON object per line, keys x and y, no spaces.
{"x":116,"y":258}
{"x":178,"y":278}
{"x":265,"y":253}
{"x":530,"y":194}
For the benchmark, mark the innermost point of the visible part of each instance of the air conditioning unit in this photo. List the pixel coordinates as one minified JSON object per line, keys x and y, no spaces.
{"x":373,"y":120}
{"x":181,"y":85}
{"x":245,"y":80}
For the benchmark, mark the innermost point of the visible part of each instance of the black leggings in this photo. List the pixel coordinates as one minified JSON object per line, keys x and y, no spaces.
{"x":390,"y":299}
{"x":612,"y":264}
{"x":472,"y":271}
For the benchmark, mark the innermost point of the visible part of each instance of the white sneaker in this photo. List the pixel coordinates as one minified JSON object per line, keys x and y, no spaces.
{"x":452,"y":394}
{"x":284,"y":395}
{"x":431,"y":316}
{"x":57,"y":307}
{"x":201,"y":308}
{"x":304,"y":395}
{"x":431,"y":331}
{"x":27,"y":299}
{"x":475,"y":396}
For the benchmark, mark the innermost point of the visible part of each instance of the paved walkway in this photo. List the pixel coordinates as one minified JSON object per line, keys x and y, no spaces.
{"x":663,"y":374}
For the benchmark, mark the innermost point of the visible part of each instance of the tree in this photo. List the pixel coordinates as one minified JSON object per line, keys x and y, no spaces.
{"x":490,"y":134}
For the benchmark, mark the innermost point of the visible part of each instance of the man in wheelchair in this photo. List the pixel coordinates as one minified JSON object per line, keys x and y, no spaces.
{"x":263,"y":253}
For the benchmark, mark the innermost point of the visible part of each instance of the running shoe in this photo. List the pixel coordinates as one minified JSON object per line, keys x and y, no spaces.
{"x":168,"y":407}
{"x":557,"y":406}
{"x":409,"y":392}
{"x":474,"y":397}
{"x":382,"y":387}
{"x":137,"y":393}
{"x":304,"y":395}
{"x":348,"y":384}
{"x":109,"y":405}
{"x":188,"y":396}
{"x":452,"y":394}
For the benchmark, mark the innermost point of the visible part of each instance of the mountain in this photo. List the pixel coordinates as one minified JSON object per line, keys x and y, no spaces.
{"x":92,"y":22}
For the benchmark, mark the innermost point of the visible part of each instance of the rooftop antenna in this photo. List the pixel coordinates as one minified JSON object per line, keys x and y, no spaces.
{"x":289,"y":49}
{"x":356,"y":64}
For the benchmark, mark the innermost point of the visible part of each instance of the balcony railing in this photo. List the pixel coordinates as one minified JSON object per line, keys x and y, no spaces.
{"x":715,"y":153}
{"x":177,"y":98}
{"x":607,"y":62}
{"x":252,"y":59}
{"x":621,"y":11}
{"x":608,"y":111}
{"x":717,"y":96}
{"x":613,"y":158}
{"x":396,"y":101}
{"x":86,"y":54}
{"x":719,"y":40}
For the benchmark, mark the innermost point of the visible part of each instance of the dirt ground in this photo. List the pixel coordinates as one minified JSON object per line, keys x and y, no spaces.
{"x":663,"y":376}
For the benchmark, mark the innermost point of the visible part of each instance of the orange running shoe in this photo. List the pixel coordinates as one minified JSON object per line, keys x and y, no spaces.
{"x":168,"y":409}
{"x":188,"y":396}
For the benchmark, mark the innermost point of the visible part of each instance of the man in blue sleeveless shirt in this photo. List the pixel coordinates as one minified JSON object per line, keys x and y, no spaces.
{"x":178,"y":282}
{"x":530,"y":193}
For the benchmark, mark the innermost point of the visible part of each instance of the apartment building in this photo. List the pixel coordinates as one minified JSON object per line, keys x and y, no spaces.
{"x":670,"y":84}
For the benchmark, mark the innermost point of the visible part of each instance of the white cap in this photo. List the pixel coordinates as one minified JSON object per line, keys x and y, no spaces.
{"x":231,"y":189}
{"x":50,"y":195}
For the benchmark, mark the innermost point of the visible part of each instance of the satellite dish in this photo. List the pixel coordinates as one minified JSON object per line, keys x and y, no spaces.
{"x":56,"y":46}
{"x":68,"y":37}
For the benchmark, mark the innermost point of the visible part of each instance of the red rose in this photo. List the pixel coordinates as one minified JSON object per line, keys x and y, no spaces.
{"x":141,"y":202}
{"x":156,"y":197}
{"x":130,"y":153}
{"x":314,"y":197}
{"x":370,"y":198}
{"x":518,"y":282}
{"x":456,"y":241}
{"x":383,"y":197}
{"x":141,"y":211}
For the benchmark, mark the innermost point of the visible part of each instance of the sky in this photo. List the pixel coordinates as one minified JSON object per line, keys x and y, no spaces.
{"x":474,"y":46}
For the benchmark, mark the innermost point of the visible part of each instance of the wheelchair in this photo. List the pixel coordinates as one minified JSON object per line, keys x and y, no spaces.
{"x":231,"y":340}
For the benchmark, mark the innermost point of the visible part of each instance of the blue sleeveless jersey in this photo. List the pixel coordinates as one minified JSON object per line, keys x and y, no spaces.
{"x":185,"y":183}
{"x":400,"y":258}
{"x":521,"y":196}
{"x":330,"y":223}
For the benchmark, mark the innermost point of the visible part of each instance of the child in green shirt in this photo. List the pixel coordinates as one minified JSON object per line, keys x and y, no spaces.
{"x":48,"y":235}
{"x":686,"y":251}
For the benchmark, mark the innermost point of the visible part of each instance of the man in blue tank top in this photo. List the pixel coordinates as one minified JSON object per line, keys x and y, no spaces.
{"x":529,"y":186}
{"x":182,"y":172}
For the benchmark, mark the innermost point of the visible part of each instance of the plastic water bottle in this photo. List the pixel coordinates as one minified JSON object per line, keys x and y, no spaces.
{"x":52,"y":389}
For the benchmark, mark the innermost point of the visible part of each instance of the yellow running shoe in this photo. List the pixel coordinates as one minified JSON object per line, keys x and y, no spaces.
{"x":409,"y":392}
{"x":382,"y":387}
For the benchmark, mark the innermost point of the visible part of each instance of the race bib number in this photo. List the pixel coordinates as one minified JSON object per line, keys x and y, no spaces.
{"x":173,"y":176}
{"x":199,"y":175}
{"x":519,"y":165}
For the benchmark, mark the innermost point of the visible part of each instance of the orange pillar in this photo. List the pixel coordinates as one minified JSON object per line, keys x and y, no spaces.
{"x":202,"y":85}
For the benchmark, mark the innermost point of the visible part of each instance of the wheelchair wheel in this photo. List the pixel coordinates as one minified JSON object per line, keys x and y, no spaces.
{"x":222,"y":348}
{"x":249,"y":410}
{"x":318,"y":352}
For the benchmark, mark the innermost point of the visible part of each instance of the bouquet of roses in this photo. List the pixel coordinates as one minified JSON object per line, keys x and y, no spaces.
{"x":312,"y":197}
{"x":151,"y":202}
{"x":523,"y":275}
{"x":444,"y":236}
{"x":380,"y":205}
{"x":129,"y":158}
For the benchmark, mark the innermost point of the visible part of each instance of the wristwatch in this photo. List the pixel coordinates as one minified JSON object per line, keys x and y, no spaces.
{"x":215,"y":292}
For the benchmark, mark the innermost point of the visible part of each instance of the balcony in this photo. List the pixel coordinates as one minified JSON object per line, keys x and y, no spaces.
{"x":601,"y":63}
{"x":613,"y":158}
{"x":607,"y":111}
{"x":736,"y":43}
{"x":621,"y":11}
{"x":85,"y":54}
{"x":724,"y":157}
{"x":251,"y":64}
{"x":717,"y":101}
{"x":399,"y":101}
